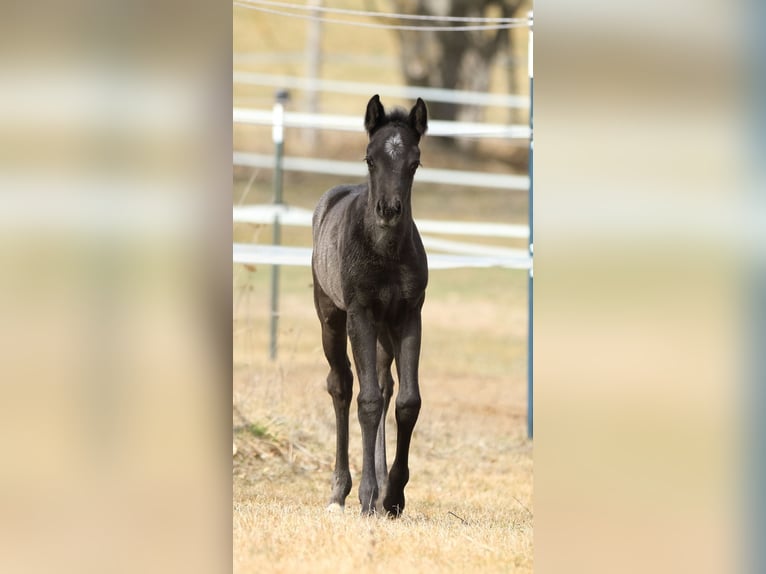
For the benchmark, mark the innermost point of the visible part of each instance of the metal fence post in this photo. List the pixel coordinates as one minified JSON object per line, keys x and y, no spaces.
{"x":277,"y":134}
{"x":530,"y":284}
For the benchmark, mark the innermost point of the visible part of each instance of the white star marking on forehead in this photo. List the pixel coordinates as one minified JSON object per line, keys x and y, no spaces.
{"x":394,"y":146}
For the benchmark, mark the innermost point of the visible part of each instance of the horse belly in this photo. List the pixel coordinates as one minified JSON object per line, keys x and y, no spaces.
{"x":328,"y":227}
{"x":327,"y":273}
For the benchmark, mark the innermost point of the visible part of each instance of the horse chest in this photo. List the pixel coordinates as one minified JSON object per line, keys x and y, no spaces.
{"x":388,"y":295}
{"x":386,"y":292}
{"x":384,"y":301}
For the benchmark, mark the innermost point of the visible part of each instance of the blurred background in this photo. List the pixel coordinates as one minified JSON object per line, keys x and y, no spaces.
{"x":115,"y":177}
{"x":117,"y":287}
{"x":648,"y":227}
{"x":473,"y":369}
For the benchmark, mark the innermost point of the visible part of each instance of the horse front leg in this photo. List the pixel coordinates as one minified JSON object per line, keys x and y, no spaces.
{"x":361,"y":332}
{"x":340,"y":387}
{"x":386,"y":384}
{"x":407,"y":410}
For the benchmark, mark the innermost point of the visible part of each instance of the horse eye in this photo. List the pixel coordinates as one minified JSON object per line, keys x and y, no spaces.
{"x":414,"y":165}
{"x":370,"y":163}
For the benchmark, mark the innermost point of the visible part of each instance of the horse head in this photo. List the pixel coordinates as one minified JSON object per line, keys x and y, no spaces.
{"x":393,"y":157}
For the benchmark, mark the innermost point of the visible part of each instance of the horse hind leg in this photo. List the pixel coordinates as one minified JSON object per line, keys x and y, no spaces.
{"x":339,"y":385}
{"x":385,"y":358}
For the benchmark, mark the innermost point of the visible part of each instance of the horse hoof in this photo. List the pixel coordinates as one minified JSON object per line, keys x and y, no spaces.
{"x":334,"y":508}
{"x":394,"y":508}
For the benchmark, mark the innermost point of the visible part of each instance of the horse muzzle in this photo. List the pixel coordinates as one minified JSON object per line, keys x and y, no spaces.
{"x":388,"y":211}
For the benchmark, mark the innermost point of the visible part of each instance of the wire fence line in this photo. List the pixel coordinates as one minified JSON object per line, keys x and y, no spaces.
{"x":393,"y":16}
{"x":523,"y":23}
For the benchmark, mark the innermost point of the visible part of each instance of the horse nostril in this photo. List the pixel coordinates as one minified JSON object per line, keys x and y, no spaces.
{"x":388,"y":209}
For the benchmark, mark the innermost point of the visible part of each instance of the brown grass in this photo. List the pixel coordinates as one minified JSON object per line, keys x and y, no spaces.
{"x":469,"y":501}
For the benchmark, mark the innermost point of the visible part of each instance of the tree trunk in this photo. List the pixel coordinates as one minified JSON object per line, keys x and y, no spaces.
{"x":453,"y":60}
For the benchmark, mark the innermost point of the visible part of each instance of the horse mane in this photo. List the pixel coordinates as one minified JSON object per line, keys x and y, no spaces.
{"x":397,"y":117}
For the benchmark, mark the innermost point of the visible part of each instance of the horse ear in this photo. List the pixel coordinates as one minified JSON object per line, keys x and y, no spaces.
{"x":374,"y":115}
{"x":419,"y":117}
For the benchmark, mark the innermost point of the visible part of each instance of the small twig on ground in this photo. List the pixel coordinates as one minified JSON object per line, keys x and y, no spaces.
{"x":523,"y":506}
{"x":456,"y":516}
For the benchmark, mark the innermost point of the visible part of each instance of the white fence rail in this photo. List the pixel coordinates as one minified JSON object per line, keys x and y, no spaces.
{"x":301,"y":256}
{"x":266,"y":213}
{"x":367,"y":89}
{"x":356,"y":124}
{"x":359,"y":169}
{"x":459,"y":254}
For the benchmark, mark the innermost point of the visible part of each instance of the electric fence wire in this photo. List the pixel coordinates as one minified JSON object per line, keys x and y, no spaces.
{"x":485,"y":23}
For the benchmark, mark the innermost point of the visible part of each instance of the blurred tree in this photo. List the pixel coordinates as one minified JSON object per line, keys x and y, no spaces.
{"x":454,"y":60}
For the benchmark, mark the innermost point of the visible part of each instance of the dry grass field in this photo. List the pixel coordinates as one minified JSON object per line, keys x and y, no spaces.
{"x":469,"y":501}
